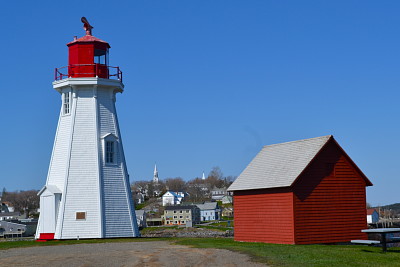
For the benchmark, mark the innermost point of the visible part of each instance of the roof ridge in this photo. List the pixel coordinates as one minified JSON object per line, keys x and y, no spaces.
{"x":279,"y":165}
{"x":298,"y":141}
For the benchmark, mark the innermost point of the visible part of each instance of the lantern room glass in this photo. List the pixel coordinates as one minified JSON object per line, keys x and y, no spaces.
{"x":101,"y":57}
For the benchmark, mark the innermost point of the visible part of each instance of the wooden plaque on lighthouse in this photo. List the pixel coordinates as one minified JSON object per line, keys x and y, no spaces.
{"x":87,"y":192}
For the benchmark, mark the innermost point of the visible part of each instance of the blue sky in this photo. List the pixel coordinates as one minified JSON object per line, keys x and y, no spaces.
{"x":208,"y":83}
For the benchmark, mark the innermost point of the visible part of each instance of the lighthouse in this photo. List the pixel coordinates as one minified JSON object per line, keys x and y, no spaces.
{"x":87,"y":192}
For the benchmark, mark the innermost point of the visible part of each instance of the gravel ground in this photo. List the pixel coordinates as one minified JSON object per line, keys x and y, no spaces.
{"x":157,"y":253}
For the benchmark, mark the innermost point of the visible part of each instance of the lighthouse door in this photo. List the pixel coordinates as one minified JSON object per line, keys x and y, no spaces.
{"x":100,"y":63}
{"x":49,"y":203}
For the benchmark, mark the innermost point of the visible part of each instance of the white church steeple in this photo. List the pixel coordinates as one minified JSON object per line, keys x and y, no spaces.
{"x":155,"y":176}
{"x":204,"y":177}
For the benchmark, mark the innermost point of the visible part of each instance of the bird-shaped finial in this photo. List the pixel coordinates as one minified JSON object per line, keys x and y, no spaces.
{"x":86,"y":25}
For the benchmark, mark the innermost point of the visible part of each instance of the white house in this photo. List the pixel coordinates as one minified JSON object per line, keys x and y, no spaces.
{"x":10,"y":216}
{"x":209,"y":211}
{"x":7,"y":207}
{"x":172,"y":198}
{"x":227,"y":200}
{"x":138,"y":198}
{"x":11,"y":228}
{"x":219,"y":193}
{"x":141,"y":218}
{"x":372,"y":216}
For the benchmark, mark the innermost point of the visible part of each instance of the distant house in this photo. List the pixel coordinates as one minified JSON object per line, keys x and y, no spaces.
{"x":218,"y":193}
{"x":227,"y":212}
{"x":372,"y":216}
{"x":181,"y":215}
{"x":172,"y":198}
{"x":4,"y":208}
{"x":288,"y":192}
{"x":227,"y":200}
{"x":30,"y":224}
{"x":9,"y":206}
{"x":141,"y":218}
{"x":138,"y":197}
{"x":209,"y":211}
{"x":10,"y":228}
{"x":10,"y":216}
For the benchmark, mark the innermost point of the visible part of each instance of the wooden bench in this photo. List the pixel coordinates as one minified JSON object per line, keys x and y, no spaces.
{"x":365,"y":242}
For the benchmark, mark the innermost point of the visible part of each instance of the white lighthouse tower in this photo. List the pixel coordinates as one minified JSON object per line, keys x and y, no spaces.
{"x":87,"y":192}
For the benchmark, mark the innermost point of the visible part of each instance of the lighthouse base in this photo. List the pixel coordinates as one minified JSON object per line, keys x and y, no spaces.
{"x":45,"y":237}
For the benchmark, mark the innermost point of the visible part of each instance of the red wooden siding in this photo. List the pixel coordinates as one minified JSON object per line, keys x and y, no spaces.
{"x":329,"y":200}
{"x":264,"y":216}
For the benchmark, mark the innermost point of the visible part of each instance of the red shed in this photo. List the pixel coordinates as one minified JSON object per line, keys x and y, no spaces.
{"x":302,"y":192}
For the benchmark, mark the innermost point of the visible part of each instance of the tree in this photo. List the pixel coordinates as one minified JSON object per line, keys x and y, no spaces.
{"x":228,"y":180}
{"x":140,"y":186}
{"x":175,"y":184}
{"x":197,"y":190}
{"x":216,"y":173}
{"x":24,"y":201}
{"x":3,"y":195}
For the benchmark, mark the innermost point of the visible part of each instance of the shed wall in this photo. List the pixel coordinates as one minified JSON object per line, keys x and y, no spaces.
{"x":264,"y":216}
{"x":330,"y":200}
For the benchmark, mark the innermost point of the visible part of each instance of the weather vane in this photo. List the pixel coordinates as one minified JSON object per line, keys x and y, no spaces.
{"x":86,"y":25}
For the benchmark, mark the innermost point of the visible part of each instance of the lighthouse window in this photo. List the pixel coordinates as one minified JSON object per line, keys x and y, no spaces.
{"x":100,"y":56}
{"x":66,"y":103}
{"x":110,"y":152}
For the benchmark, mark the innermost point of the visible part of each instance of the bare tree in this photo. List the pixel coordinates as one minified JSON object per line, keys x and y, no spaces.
{"x":140,"y":186}
{"x":197,"y":190}
{"x":175,"y":184}
{"x":216,"y":173}
{"x":24,"y":201}
{"x":228,"y":180}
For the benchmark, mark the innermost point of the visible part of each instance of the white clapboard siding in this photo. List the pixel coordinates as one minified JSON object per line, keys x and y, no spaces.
{"x":117,"y":217}
{"x":82,"y":192}
{"x":77,"y":168}
{"x":59,"y":158}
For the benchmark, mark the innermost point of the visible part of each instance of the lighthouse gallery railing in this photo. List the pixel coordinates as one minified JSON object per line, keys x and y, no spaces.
{"x":89,"y":70}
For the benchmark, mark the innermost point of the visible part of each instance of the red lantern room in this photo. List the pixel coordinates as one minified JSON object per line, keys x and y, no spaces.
{"x":88,"y":57}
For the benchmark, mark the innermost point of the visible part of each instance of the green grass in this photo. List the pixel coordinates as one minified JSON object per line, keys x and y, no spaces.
{"x":223,"y":224}
{"x":271,"y":254}
{"x":140,"y":206}
{"x":303,"y":255}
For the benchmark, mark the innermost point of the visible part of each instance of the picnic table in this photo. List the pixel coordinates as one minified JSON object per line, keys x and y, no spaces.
{"x":384,"y":240}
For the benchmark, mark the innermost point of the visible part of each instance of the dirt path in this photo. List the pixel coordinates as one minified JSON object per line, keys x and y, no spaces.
{"x":158,"y":253}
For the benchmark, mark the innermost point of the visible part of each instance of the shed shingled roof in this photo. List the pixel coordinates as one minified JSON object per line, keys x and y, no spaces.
{"x":279,"y":165}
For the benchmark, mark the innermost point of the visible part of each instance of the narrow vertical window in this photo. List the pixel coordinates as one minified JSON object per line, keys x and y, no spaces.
{"x":110,"y":151}
{"x":66,"y":104}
